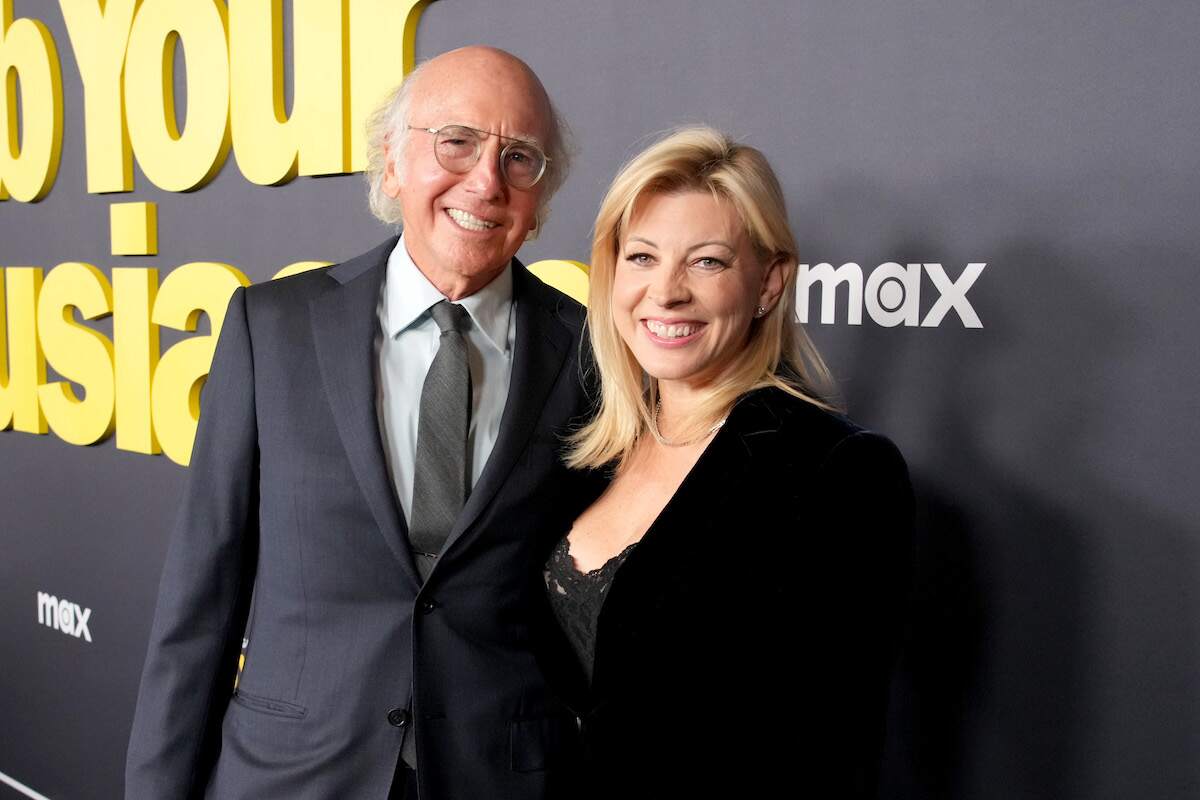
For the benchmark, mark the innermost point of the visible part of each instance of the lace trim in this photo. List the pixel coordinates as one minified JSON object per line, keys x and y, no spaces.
{"x":577,"y":597}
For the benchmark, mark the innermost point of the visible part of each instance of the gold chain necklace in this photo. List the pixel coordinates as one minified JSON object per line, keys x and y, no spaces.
{"x":671,"y":443}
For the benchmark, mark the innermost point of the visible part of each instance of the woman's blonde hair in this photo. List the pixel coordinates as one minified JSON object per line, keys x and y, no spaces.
{"x":778,"y":352}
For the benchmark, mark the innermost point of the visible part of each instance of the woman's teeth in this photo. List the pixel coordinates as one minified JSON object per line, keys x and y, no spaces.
{"x":470,"y":221}
{"x":664,"y":331}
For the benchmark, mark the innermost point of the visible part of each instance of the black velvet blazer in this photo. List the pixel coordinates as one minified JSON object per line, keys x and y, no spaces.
{"x":745,"y":645}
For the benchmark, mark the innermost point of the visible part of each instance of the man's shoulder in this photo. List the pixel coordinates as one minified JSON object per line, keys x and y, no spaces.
{"x":530,"y":288}
{"x":303,"y":286}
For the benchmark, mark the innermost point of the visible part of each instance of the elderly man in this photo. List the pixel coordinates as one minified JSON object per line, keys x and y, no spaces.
{"x":375,"y":485}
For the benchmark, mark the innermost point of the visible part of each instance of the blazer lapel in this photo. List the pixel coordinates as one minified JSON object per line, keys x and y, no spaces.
{"x":542,"y":343}
{"x":344,"y":324}
{"x":717,"y":477}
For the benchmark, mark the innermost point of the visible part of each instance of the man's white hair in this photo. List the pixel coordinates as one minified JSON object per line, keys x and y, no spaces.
{"x":387,"y":133}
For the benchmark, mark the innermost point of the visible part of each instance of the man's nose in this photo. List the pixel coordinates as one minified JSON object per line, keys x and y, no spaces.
{"x":485,"y":178}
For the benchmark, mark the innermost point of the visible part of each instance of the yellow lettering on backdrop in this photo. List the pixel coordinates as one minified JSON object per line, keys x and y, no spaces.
{"x":136,"y":342}
{"x":133,"y":229}
{"x":383,"y":36}
{"x":22,"y":367}
{"x":173,"y":160}
{"x":270,"y":146}
{"x":186,"y":292}
{"x":28,"y":157}
{"x":569,"y":277}
{"x":77,"y":352}
{"x":99,"y":32}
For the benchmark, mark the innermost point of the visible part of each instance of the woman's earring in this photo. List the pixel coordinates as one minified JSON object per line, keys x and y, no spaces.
{"x":758,"y":312}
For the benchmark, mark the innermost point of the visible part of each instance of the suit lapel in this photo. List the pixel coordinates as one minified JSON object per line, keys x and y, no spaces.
{"x":718,"y":475}
{"x":344,"y":324}
{"x":716,"y":487}
{"x":542,"y":343}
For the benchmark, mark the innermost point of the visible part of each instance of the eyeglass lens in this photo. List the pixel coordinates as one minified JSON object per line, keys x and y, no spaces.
{"x":457,"y":149}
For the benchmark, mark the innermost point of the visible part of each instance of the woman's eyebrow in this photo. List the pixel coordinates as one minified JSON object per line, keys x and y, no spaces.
{"x":720,"y":242}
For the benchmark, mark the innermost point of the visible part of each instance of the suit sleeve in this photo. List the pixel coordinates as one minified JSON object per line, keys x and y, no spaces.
{"x":206,"y":582}
{"x":866,"y":535}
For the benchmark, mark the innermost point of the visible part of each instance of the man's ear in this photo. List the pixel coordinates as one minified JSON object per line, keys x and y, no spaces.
{"x":778,"y":271}
{"x":391,"y":180}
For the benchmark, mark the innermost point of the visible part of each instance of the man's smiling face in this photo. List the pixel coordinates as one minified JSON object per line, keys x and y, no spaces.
{"x":462,"y":229}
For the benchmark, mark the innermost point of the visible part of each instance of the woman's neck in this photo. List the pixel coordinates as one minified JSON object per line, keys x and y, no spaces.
{"x":678,"y":407}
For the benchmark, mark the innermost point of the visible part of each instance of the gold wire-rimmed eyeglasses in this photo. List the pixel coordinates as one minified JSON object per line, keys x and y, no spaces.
{"x":457,"y":149}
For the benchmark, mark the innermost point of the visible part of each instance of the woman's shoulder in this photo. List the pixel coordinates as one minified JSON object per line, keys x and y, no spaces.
{"x":771,"y":409}
{"x":805,"y":430}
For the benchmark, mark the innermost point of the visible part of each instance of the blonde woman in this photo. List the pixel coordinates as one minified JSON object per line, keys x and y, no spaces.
{"x":733,"y":595}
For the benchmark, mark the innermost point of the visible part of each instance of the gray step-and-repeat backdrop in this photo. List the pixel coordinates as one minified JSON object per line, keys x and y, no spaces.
{"x":1008,"y":193}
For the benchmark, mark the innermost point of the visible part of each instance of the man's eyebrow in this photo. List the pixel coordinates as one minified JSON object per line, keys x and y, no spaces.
{"x":533,"y":140}
{"x":520,"y":137}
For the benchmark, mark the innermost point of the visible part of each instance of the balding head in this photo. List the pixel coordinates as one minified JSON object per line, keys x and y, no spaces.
{"x":464,"y":221}
{"x":475,"y":70}
{"x":471,"y":68}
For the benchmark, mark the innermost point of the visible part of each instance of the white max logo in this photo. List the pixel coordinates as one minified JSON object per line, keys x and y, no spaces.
{"x":892,"y":293}
{"x":63,"y":615}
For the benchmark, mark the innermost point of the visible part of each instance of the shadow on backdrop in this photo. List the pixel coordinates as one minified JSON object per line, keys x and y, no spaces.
{"x":1054,"y":639}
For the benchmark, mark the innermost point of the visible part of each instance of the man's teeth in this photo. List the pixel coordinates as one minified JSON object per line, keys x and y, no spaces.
{"x":470,"y":221}
{"x":670,"y":331}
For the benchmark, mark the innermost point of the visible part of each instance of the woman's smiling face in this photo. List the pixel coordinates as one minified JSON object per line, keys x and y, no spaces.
{"x":686,"y":286}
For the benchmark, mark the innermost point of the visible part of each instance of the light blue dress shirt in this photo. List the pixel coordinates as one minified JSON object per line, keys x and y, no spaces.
{"x":409,"y":341}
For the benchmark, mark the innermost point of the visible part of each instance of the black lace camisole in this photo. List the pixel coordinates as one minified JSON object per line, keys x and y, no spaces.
{"x":577,"y":598}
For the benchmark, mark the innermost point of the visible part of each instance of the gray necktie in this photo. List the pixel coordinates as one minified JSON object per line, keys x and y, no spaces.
{"x":440,"y":481}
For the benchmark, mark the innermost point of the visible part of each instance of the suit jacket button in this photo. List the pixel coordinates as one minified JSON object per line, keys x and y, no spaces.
{"x":398,"y":717}
{"x":427,"y":606}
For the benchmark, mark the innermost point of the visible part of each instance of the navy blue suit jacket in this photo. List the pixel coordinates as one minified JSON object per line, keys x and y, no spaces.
{"x":290,"y":533}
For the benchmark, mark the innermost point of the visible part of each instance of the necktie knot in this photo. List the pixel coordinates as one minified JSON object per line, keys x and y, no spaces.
{"x":450,"y":316}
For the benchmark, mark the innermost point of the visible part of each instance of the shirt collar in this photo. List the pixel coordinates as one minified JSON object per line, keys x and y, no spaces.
{"x":408,"y":295}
